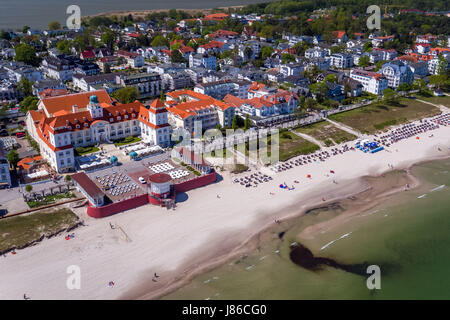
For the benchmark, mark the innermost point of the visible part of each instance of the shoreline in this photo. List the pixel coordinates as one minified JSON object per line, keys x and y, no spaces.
{"x":143,"y":13}
{"x":290,"y":220}
{"x":200,"y":234}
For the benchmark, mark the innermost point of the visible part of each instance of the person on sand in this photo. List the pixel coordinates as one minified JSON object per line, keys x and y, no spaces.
{"x":156,"y":276}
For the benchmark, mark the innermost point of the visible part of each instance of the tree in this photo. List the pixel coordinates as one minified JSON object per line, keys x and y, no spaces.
{"x":25,"y":29}
{"x":108,"y":38}
{"x":126,"y":95}
{"x":266,"y":52}
{"x":234,"y":123}
{"x":364,"y":61}
{"x":161,"y":97}
{"x":310,"y":103}
{"x":380,"y":64}
{"x":176,"y":57}
{"x":287,"y":58}
{"x":54,"y":25}
{"x":64,"y":46}
{"x":25,"y":86}
{"x":403,"y":87}
{"x":367,"y":47}
{"x":29,"y":103}
{"x":26,"y":53}
{"x":389,"y":95}
{"x":331,"y":78}
{"x":142,"y":40}
{"x":247,"y":122}
{"x":28,"y":188}
{"x":13,"y":158}
{"x":160,"y":41}
{"x":5,"y":35}
{"x":320,"y":90}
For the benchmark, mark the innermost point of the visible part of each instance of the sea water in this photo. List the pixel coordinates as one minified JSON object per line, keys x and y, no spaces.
{"x":408,"y":236}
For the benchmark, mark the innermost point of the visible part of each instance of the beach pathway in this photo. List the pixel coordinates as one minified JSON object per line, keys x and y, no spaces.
{"x":309,"y":138}
{"x":345,"y":128}
{"x":441,"y":107}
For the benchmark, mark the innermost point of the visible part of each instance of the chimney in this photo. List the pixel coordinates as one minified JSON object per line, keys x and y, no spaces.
{"x":74,"y":108}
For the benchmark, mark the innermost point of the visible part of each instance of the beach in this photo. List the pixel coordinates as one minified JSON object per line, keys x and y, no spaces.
{"x":203,"y":232}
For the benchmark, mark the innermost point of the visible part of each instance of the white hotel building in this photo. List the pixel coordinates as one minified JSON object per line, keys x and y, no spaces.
{"x":372,"y":82}
{"x":64,"y":123}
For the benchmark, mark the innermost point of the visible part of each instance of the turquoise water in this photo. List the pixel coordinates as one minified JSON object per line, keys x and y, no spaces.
{"x":407,"y":236}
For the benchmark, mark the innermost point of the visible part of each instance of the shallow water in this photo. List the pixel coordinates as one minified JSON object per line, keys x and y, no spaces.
{"x":407,"y":236}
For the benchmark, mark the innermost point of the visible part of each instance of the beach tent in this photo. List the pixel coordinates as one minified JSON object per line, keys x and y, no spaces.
{"x":133,"y":154}
{"x":113,"y":159}
{"x":308,"y":176}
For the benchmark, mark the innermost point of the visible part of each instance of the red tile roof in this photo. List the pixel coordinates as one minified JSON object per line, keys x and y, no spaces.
{"x":66,"y":102}
{"x":87,"y":185}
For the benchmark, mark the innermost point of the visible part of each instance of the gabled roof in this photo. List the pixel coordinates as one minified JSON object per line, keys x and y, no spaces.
{"x":338,"y":34}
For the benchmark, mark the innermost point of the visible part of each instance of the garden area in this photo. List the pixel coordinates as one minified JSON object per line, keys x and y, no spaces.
{"x":50,"y":199}
{"x":382,"y":115}
{"x":327,"y":133}
{"x":127,"y":140}
{"x":81,"y":151}
{"x":292,"y":145}
{"x":21,"y":230}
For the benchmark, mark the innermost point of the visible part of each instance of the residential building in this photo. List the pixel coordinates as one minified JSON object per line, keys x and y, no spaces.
{"x":341,"y":60}
{"x":148,"y":84}
{"x":5,"y":176}
{"x":216,"y":90}
{"x":188,"y":109}
{"x":202,"y":60}
{"x":372,"y":82}
{"x":133,"y":59}
{"x":397,"y":72}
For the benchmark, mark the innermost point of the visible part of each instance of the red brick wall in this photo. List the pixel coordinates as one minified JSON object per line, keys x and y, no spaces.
{"x":196,"y":183}
{"x":117,"y":207}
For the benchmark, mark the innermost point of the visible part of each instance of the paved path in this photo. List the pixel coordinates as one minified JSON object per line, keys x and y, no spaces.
{"x":309,"y":138}
{"x":440,"y":106}
{"x":345,"y":128}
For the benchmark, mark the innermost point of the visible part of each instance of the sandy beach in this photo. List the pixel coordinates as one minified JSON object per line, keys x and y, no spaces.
{"x":143,"y":13}
{"x":201,"y":233}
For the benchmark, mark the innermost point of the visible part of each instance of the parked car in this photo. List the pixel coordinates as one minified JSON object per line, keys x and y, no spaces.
{"x":142,"y":180}
{"x":20,"y":134}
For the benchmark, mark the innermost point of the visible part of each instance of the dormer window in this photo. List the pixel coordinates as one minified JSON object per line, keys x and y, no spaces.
{"x":86,"y":125}
{"x":117,"y":113}
{"x":126,"y":116}
{"x":133,"y":115}
{"x":111,"y":119}
{"x":78,"y":126}
{"x":119,"y":118}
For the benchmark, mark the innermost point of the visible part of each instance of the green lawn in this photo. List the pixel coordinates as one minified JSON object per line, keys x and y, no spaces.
{"x":445,"y":100}
{"x":326,"y":132}
{"x":20,"y":230}
{"x":127,"y":140}
{"x":380,"y":116}
{"x":50,"y":199}
{"x":81,"y":151}
{"x":292,"y":145}
{"x":239,"y":168}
